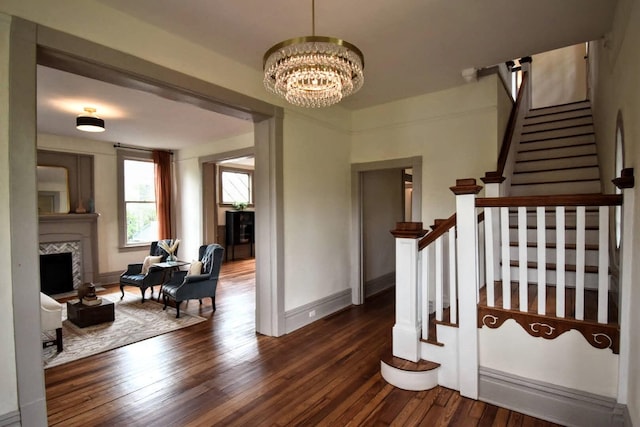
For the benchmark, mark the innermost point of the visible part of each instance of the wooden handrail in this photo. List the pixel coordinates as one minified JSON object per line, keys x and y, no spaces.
{"x":442,"y":228}
{"x":511,"y":127}
{"x":560,"y":200}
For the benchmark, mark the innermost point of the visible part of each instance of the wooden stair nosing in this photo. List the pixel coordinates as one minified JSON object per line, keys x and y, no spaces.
{"x":406,"y":365}
{"x":570,"y":246}
{"x":552,"y":266}
{"x":555,"y":169}
{"x":532,"y":132}
{"x":545,"y":159}
{"x":557,"y":182}
{"x":557,"y":120}
{"x":534,"y":111}
{"x":558,"y":137}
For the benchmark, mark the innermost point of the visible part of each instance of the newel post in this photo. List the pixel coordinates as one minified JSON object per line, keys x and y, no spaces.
{"x":467,"y":224}
{"x":408,"y":327}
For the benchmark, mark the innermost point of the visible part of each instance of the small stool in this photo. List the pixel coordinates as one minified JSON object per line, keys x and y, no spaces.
{"x":51,"y":319}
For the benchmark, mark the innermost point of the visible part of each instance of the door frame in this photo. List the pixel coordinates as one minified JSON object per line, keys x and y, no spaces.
{"x":357,"y":170}
{"x":32,"y":44}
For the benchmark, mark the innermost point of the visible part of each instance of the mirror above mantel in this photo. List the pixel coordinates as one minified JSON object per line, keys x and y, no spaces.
{"x":80,"y":181}
{"x":53,"y":190}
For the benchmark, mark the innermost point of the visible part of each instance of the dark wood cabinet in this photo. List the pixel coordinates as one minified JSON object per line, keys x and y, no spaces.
{"x":240,"y":231}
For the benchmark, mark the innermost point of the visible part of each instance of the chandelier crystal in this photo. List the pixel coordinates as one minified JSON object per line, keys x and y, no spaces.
{"x":313,"y":71}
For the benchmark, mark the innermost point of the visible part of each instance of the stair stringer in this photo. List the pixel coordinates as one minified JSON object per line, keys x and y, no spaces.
{"x":446,"y":355}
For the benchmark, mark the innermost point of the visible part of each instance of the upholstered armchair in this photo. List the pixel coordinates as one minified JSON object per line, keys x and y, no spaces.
{"x":194,"y":284}
{"x":144,"y":275}
{"x":51,"y":319}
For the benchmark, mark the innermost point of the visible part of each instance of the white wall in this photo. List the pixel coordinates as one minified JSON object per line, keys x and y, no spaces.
{"x":188,"y":172}
{"x":568,"y":360}
{"x":9,"y":389}
{"x":559,"y":76}
{"x":316,"y":206}
{"x":455,"y":131}
{"x":618,"y":89}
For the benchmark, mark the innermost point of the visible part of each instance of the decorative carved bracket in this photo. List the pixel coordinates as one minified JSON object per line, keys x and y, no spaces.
{"x":597,"y":334}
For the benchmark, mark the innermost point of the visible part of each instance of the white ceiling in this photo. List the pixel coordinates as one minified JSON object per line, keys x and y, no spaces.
{"x":410,"y":47}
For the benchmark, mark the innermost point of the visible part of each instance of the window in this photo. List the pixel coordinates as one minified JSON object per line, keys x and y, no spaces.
{"x":236,"y":186}
{"x":619,"y":165}
{"x":138,"y":217}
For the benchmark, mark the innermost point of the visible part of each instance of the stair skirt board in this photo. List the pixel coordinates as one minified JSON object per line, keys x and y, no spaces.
{"x":409,"y":380}
{"x":550,"y":402}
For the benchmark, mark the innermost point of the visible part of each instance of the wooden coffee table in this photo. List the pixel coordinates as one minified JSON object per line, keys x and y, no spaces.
{"x":87,"y":315}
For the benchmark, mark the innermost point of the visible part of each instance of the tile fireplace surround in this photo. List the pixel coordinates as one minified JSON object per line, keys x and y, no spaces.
{"x":75,"y":233}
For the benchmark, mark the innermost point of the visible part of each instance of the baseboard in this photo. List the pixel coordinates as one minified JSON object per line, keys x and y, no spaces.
{"x":299,"y":317}
{"x":379,"y":284}
{"x":549,"y":402}
{"x":10,"y":419}
{"x":109,"y":278}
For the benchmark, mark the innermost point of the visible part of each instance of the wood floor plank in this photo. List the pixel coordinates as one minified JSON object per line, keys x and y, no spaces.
{"x":221,"y":372}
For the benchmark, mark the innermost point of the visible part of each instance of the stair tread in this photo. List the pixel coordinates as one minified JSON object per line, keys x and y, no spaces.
{"x":556,"y":169}
{"x":406,"y":365}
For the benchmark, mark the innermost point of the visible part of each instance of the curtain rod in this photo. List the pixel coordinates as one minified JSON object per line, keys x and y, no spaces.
{"x":130,"y":147}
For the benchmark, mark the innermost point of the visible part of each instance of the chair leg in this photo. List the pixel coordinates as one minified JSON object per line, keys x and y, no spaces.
{"x":213,"y":303}
{"x":122,"y":290}
{"x":143,"y":290}
{"x":59,"y":339}
{"x":166,"y":300}
{"x":200,"y":301}
{"x":178,"y":309}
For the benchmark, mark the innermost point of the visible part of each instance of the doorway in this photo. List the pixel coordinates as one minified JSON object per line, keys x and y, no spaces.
{"x":383,"y":193}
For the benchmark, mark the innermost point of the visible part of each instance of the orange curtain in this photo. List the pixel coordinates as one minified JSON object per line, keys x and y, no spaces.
{"x":162,"y":161}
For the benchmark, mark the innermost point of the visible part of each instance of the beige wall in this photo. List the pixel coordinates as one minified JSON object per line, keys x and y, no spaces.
{"x":559,"y":76}
{"x":618,"y":89}
{"x":9,"y":389}
{"x":316,"y":207}
{"x":455,"y":131}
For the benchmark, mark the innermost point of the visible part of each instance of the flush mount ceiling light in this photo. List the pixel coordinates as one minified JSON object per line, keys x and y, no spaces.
{"x":89,"y":121}
{"x":313,"y":71}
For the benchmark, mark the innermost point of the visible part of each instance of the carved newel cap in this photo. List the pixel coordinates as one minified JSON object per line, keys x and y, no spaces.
{"x":466,"y":186}
{"x":408,"y":230}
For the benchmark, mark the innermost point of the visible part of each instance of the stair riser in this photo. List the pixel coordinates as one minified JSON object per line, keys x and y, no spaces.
{"x":591,"y":236}
{"x":547,"y":164}
{"x":591,"y":219}
{"x":557,"y":116}
{"x":591,"y":256}
{"x":555,"y":153}
{"x":559,"y":108}
{"x":586,"y":187}
{"x":553,"y":124}
{"x":590,"y":279}
{"x":559,"y":133}
{"x":558,"y":175}
{"x":558,"y":143}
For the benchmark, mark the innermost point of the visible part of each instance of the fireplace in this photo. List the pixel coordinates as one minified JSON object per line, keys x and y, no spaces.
{"x":75,"y":234}
{"x":56,"y":273}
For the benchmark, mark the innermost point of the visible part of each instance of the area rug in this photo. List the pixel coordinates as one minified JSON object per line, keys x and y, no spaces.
{"x":134,"y":322}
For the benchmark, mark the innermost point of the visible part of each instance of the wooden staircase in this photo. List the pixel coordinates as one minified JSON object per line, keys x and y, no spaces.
{"x":557,"y":152}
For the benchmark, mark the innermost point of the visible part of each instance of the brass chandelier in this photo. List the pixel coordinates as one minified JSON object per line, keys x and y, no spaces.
{"x":313,"y":71}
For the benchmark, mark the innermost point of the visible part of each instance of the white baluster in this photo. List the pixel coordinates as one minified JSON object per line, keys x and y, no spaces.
{"x":480,"y":257}
{"x":489,"y":256}
{"x":439,"y":277}
{"x":603,"y":265}
{"x":542,"y":259}
{"x":580,"y":262}
{"x":453,"y":285}
{"x":506,"y":262}
{"x":560,"y":260}
{"x":424,"y":290}
{"x":523,"y":282}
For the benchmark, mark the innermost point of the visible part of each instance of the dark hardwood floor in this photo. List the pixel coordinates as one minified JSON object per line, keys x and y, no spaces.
{"x":220,"y":372}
